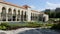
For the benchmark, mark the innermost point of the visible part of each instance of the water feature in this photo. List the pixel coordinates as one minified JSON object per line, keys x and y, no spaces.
{"x":40,"y":31}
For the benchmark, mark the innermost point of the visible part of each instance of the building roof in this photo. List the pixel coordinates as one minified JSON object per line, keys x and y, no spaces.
{"x":26,"y":6}
{"x":23,"y":7}
{"x":10,"y":4}
{"x":35,"y":11}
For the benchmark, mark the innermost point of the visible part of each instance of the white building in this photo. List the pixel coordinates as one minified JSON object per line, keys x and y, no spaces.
{"x":12,"y":12}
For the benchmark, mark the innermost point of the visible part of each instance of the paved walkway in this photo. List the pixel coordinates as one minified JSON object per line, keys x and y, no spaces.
{"x":39,"y":31}
{"x":30,"y":31}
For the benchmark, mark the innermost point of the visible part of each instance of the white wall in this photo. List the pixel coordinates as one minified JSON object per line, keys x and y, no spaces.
{"x":46,"y":17}
{"x":29,"y":15}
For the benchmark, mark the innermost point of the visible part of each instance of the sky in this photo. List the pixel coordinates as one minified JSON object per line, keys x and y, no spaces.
{"x":37,"y":4}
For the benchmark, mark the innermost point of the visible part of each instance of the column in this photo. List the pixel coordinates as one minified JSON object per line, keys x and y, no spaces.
{"x":7,"y":14}
{"x":20,"y":16}
{"x":0,"y":13}
{"x":29,"y":15}
{"x":16,"y":14}
{"x":12,"y":15}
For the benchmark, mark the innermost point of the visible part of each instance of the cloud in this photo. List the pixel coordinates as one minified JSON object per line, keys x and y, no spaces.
{"x":48,"y":5}
{"x":32,"y":6}
{"x":52,"y":5}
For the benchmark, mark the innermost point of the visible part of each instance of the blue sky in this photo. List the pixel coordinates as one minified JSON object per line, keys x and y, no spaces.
{"x":37,"y":4}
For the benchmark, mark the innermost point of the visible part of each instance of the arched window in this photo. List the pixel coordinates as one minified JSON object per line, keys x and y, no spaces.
{"x":18,"y":12}
{"x":3,"y":10}
{"x":14,"y":15}
{"x":22,"y":16}
{"x":18,"y":16}
{"x":9,"y":11}
{"x":9,"y":14}
{"x":33,"y":16}
{"x":25,"y":16}
{"x":3,"y":14}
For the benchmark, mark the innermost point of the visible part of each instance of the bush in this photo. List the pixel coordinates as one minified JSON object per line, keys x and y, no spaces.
{"x":56,"y":26}
{"x":2,"y":27}
{"x":4,"y":24}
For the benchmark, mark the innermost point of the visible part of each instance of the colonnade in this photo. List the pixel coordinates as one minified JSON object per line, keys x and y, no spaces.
{"x":9,"y":14}
{"x":34,"y":17}
{"x":12,"y":15}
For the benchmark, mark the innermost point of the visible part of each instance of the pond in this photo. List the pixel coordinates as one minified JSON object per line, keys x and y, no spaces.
{"x":40,"y":31}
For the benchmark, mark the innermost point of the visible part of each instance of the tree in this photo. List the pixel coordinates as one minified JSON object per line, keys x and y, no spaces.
{"x":57,"y":11}
{"x":53,"y":13}
{"x":47,"y":11}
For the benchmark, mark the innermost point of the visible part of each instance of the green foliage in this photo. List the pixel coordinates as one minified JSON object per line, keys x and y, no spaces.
{"x":53,"y":13}
{"x":33,"y":25}
{"x":2,"y":27}
{"x":11,"y":26}
{"x":56,"y":26}
{"x":49,"y":24}
{"x":4,"y":24}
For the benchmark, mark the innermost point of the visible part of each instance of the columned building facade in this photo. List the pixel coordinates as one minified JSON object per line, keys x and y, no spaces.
{"x":11,"y":12}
